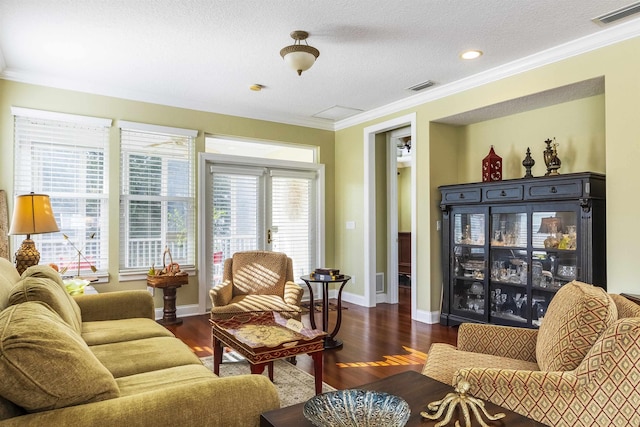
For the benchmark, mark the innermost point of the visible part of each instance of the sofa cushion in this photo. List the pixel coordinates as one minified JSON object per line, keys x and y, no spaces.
{"x":170,"y":377}
{"x":111,"y":331}
{"x":42,"y":283}
{"x":575,"y":318}
{"x":150,"y":354}
{"x":8,"y":277}
{"x":44,"y":364}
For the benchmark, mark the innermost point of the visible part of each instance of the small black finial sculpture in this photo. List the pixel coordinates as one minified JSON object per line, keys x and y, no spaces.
{"x":528,"y":163}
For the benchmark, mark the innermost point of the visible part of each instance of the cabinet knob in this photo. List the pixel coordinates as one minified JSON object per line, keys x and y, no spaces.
{"x":554,"y":190}
{"x":502,"y":193}
{"x":462,"y":195}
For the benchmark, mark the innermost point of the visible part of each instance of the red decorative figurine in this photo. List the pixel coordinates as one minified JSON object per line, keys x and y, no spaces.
{"x":492,"y":167}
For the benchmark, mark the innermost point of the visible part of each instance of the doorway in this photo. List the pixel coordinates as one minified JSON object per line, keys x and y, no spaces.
{"x":370,"y":214}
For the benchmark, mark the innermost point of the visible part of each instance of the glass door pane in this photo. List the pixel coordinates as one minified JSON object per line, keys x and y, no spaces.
{"x":469,"y":265}
{"x":236,"y":200}
{"x":509,"y":267}
{"x":554,"y":259}
{"x":293,"y":218}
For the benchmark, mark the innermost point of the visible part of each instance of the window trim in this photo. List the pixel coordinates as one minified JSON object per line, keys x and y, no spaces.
{"x":130,"y":274}
{"x":78,"y":120}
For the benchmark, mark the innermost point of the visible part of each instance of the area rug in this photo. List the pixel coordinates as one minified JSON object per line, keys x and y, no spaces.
{"x":293,"y":385}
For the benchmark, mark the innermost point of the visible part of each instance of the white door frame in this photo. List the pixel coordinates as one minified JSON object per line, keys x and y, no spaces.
{"x":370,"y":206}
{"x":204,"y":250}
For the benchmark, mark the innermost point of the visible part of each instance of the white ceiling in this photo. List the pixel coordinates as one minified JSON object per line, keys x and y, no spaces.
{"x":204,"y":54}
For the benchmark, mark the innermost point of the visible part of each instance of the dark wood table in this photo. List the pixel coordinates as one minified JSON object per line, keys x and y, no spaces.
{"x":265,"y":337}
{"x":417,"y":389}
{"x":330,"y":340}
{"x":169,"y":286}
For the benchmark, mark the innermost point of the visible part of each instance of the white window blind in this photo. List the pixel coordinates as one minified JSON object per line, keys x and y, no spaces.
{"x":293,"y":218}
{"x":237,"y":214}
{"x":66,"y":157}
{"x":157,"y":196}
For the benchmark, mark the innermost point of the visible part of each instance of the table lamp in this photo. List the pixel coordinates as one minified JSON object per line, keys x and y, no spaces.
{"x":32,"y":214}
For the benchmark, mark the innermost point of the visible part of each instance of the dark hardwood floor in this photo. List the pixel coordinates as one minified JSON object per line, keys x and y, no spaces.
{"x":378,"y":342}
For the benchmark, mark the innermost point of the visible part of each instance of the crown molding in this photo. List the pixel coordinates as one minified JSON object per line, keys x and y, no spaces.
{"x":576,"y":47}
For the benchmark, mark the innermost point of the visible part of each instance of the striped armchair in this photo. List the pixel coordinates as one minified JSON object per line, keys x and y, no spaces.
{"x":255,"y":282}
{"x":581,"y":368}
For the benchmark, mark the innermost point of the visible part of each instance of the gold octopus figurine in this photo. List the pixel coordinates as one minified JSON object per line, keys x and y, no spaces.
{"x":459,"y":397}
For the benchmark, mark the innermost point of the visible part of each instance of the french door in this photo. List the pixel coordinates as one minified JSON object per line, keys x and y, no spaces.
{"x":258,"y":207}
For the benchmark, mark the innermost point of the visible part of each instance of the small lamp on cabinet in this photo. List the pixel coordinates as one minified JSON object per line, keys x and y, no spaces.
{"x":32,"y":214}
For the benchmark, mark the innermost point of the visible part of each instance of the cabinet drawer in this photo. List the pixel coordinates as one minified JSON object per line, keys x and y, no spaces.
{"x":556,"y":189}
{"x":496,"y":194}
{"x":466,"y":195}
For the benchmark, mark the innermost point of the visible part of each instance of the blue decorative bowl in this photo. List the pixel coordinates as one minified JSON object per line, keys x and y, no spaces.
{"x":357,"y":408}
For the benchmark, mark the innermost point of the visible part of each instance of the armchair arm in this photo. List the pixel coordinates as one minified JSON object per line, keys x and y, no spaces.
{"x":230,"y":401}
{"x":293,"y":293}
{"x":534,"y":394}
{"x":116,"y":305}
{"x":221,"y":294}
{"x":505,"y":341}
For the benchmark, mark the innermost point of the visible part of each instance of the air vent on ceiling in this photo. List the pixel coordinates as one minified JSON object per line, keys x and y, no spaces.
{"x":610,"y":17}
{"x":420,"y":86}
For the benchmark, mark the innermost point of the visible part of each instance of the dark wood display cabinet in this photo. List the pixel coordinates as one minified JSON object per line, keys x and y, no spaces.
{"x":508,"y":246}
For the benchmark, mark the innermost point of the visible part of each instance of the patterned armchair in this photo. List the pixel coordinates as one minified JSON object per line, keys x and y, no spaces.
{"x":581,"y":368}
{"x":255,"y":282}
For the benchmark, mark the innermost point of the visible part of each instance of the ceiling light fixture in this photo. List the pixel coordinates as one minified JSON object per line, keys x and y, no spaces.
{"x":257,"y":87}
{"x":299,"y":56}
{"x":471,"y":54}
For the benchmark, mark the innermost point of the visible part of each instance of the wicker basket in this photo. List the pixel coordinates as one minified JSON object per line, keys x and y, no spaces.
{"x":171,"y":276}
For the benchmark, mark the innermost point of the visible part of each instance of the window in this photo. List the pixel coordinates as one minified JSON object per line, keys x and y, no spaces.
{"x":157,"y":196}
{"x":66,"y":157}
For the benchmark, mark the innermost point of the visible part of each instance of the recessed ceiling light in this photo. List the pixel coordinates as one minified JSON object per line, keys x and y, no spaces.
{"x":471,"y":54}
{"x":256,"y":87}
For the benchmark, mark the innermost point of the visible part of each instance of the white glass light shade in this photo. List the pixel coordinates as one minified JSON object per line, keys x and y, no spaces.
{"x":299,"y":57}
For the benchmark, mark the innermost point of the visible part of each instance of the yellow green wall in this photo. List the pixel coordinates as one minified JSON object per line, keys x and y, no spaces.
{"x":615,"y":120}
{"x":381,"y":205}
{"x":404,"y":199}
{"x":45,"y":98}
{"x":577,"y":126}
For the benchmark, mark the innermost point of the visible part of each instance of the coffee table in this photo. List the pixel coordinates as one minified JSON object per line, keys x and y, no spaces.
{"x":265,"y":337}
{"x":417,"y":389}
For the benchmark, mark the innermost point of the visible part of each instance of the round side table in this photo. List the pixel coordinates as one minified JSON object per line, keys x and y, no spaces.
{"x":330,"y":340}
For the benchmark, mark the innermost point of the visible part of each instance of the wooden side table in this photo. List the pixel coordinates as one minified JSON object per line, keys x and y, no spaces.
{"x":330,"y":341}
{"x":169,"y":285}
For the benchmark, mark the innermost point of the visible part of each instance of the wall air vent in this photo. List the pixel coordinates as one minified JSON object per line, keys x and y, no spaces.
{"x":610,"y":17}
{"x":420,"y":86}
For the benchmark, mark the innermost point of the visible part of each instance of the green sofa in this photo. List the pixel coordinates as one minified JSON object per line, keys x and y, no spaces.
{"x":102,"y":360}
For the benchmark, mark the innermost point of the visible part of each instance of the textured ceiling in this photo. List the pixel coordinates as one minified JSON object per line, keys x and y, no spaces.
{"x":204,"y":54}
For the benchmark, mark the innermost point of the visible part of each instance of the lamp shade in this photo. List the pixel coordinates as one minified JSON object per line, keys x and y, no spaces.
{"x":32,"y":214}
{"x":550,"y":225}
{"x":299,"y":56}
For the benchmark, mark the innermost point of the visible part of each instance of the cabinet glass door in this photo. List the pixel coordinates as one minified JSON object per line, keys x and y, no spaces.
{"x":554,"y":260}
{"x":509,"y":267}
{"x":469,"y":265}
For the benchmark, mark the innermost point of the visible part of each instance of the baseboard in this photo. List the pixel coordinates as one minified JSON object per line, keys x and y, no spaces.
{"x":430,"y":317}
{"x":181,"y":311}
{"x":354,"y":299}
{"x":381,"y":298}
